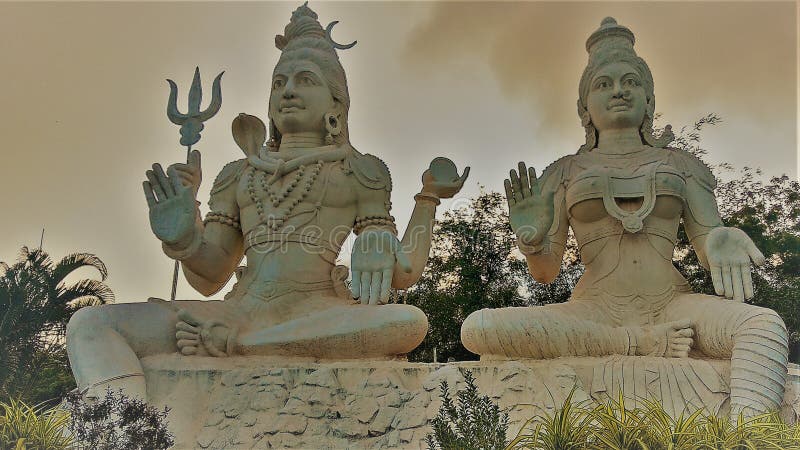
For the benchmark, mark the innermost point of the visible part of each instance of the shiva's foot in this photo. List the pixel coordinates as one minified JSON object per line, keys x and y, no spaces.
{"x":203,"y":337}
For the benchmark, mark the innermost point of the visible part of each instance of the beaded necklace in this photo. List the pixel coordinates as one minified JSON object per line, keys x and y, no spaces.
{"x":284,"y":200}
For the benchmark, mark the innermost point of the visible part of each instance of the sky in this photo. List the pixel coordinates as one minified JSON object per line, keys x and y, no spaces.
{"x":83,"y":96}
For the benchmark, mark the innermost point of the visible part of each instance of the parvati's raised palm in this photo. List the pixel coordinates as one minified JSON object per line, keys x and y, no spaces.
{"x":530,"y":210}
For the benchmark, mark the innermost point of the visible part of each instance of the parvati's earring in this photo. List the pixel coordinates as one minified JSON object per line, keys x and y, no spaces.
{"x":591,"y":133}
{"x":333,"y":127}
{"x":646,"y":130}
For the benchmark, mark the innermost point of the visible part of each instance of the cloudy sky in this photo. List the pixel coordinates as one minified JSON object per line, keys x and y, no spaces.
{"x":83,"y":97}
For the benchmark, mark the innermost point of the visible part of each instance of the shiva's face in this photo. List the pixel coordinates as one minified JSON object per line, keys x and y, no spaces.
{"x":300,"y":98}
{"x":617,"y":99}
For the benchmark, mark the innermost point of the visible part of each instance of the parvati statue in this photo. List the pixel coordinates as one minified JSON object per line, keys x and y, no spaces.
{"x":624,"y":194}
{"x":288,"y":207}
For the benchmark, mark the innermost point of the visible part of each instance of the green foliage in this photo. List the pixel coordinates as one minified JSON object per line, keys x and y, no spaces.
{"x":617,"y":428}
{"x":664,"y":432}
{"x":35,"y":306}
{"x":611,"y":426}
{"x":53,"y":378}
{"x":117,"y":422}
{"x":33,"y":428}
{"x":474,"y":265}
{"x":471,"y":267}
{"x":569,"y":428}
{"x":473,"y":423}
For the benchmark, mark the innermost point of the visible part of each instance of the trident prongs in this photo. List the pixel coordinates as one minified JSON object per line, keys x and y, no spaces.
{"x":191,"y":125}
{"x":192,"y":122}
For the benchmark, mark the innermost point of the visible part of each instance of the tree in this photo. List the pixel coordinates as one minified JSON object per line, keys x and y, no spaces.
{"x":117,"y":422}
{"x":471,"y":267}
{"x":475,"y":264}
{"x":35,"y":305}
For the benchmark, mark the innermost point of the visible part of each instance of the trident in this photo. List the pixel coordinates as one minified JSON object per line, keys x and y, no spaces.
{"x":191,"y":124}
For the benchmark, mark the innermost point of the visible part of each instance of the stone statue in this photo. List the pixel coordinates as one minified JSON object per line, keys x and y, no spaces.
{"x":624,"y":195}
{"x":288,"y":207}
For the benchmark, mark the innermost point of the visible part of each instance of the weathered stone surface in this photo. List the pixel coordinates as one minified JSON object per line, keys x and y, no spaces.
{"x":409,"y":418}
{"x":293,"y":406}
{"x":363,"y":408}
{"x":382,"y":421}
{"x":269,"y":399}
{"x":380,"y":404}
{"x":349,"y":428}
{"x":214,"y":419}
{"x":249,"y":418}
{"x":294,"y":423}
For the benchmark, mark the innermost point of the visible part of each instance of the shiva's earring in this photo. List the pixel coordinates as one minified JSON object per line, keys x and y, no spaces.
{"x":332,"y":126}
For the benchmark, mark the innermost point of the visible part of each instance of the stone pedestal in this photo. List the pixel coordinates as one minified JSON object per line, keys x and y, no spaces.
{"x":266,"y":403}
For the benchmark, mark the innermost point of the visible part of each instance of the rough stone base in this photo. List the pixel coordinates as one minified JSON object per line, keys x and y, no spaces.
{"x":266,"y":403}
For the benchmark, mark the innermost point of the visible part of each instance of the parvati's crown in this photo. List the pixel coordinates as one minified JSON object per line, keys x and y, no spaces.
{"x":609,"y":41}
{"x":610,"y":34}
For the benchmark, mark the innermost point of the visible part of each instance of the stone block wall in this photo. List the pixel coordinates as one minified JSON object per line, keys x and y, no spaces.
{"x":260,"y":403}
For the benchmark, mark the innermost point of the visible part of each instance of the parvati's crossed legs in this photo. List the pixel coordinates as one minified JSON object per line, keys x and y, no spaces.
{"x":753,"y":338}
{"x":574,"y":328}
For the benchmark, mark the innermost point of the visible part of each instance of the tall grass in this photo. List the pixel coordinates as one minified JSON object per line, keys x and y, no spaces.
{"x":612,"y":426}
{"x":569,"y":428}
{"x":24,"y":427}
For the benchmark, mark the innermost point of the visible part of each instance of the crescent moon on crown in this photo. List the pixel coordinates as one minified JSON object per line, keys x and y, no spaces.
{"x":335,"y":44}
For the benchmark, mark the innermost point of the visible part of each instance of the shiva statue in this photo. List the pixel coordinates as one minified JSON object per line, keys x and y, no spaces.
{"x":288,"y":207}
{"x":624,"y":195}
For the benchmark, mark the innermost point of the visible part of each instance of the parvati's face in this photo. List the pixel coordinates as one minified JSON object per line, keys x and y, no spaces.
{"x":300,"y":97}
{"x":617,"y":99}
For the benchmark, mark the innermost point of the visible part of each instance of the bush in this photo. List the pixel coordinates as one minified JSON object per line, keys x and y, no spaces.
{"x":117,"y":422}
{"x":611,"y":426}
{"x":474,"y":423}
{"x":569,"y":428}
{"x":32,"y":428}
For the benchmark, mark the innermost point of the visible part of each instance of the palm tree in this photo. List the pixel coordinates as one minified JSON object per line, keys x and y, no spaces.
{"x":35,"y":305}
